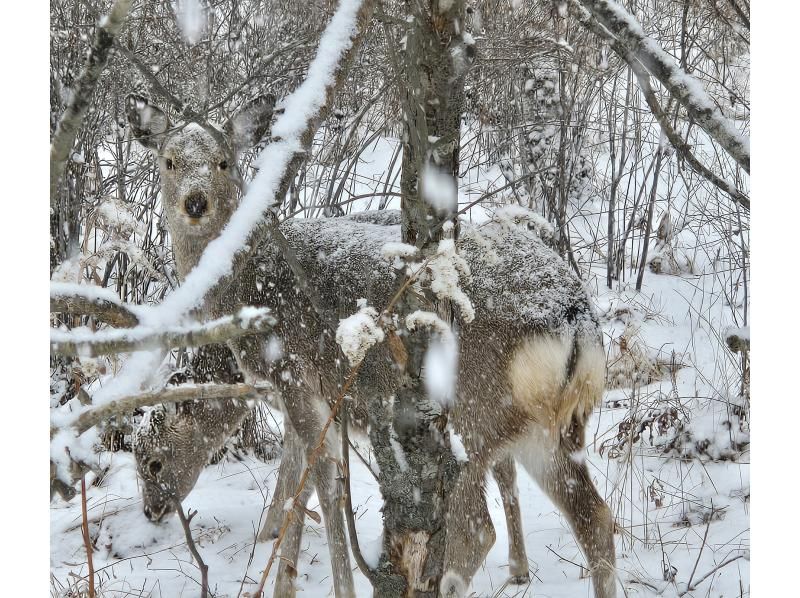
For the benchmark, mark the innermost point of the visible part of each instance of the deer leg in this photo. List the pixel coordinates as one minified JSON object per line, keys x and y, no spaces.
{"x":290,"y":552}
{"x":505,"y":474}
{"x":566,"y":480}
{"x":306,"y":411}
{"x":331,"y":500}
{"x":291,"y":468}
{"x":470,"y":533}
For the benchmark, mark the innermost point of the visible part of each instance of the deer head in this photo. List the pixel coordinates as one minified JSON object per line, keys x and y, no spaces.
{"x":173,"y":446}
{"x":197,"y":165}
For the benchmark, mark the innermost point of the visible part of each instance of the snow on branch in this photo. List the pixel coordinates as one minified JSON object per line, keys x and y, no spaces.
{"x":684,"y":87}
{"x":443,"y":273}
{"x":358,"y":333}
{"x":294,"y":131}
{"x":90,"y":300}
{"x":72,"y":118}
{"x":254,"y":220}
{"x":86,"y":343}
{"x":179,"y":394}
{"x":72,"y":449}
{"x":682,"y":147}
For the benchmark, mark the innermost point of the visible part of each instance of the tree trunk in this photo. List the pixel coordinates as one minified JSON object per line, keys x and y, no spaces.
{"x":410,"y":436}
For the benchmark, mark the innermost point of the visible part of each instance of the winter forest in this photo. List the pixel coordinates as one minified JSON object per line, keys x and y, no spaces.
{"x":399,"y":298}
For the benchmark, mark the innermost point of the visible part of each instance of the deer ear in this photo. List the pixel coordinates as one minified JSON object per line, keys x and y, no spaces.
{"x":148,"y":122}
{"x":251,"y":123}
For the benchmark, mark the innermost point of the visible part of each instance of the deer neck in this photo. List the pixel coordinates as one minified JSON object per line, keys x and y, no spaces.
{"x":187,"y":250}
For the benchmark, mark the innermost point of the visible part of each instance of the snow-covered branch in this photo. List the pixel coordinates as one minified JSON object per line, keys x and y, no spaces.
{"x":255,"y":219}
{"x":71,"y":120}
{"x":89,"y":300}
{"x":68,"y":466}
{"x":86,"y":343}
{"x":681,"y":147}
{"x":177,"y":394}
{"x":293,"y":133}
{"x":685,"y":88}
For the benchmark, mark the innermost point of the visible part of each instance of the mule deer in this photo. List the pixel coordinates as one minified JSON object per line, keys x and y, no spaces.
{"x":531,"y":364}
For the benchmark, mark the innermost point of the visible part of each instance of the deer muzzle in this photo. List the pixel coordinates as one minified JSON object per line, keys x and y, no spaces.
{"x":155,"y":514}
{"x":196,"y":205}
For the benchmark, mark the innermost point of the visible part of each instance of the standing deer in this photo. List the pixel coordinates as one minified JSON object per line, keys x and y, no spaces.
{"x":531,"y":365}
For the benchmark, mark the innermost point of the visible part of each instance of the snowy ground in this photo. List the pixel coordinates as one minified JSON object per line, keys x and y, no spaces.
{"x":687,"y":515}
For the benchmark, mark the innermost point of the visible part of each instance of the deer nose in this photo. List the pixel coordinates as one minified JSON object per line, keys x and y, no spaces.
{"x":196,"y":205}
{"x":153,"y":515}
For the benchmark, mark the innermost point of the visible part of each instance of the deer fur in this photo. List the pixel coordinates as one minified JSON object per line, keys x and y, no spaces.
{"x":531,"y":364}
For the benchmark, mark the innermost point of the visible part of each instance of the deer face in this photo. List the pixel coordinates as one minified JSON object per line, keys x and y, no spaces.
{"x":196,"y":162}
{"x":198,"y":193}
{"x":169,"y":458}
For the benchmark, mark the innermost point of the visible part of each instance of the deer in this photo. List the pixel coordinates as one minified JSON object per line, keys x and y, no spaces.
{"x":531,"y":364}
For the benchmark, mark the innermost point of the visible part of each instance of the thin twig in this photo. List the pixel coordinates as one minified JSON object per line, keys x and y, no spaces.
{"x":193,"y":548}
{"x":348,"y":507}
{"x":702,"y":546}
{"x":690,"y":588}
{"x":72,"y":118}
{"x":87,"y":541}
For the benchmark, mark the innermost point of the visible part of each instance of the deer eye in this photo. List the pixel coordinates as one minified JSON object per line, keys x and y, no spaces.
{"x":223,"y":165}
{"x":154,"y":467}
{"x":170,"y":165}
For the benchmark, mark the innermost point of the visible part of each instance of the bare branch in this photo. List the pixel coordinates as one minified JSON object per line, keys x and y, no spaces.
{"x":691,"y":587}
{"x":674,"y":138}
{"x":678,"y":143}
{"x":193,"y":548}
{"x":73,"y":116}
{"x":684,"y":88}
{"x":177,"y":394}
{"x":87,"y":541}
{"x":121,"y":340}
